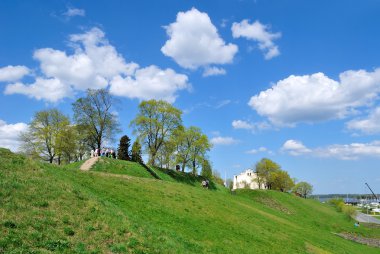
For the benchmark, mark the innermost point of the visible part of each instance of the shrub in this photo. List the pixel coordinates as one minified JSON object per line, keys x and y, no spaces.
{"x":350,"y":211}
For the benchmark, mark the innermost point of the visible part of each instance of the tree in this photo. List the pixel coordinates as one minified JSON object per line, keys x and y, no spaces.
{"x":206,"y":170}
{"x":264,"y":171}
{"x":282,"y":181}
{"x":154,"y":124}
{"x":93,"y":114}
{"x":46,"y":134}
{"x":165,"y":155}
{"x":200,"y":145}
{"x":136,"y":152}
{"x":303,"y":189}
{"x":123,"y":149}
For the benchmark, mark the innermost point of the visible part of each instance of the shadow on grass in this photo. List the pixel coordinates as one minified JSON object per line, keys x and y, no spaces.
{"x":187,"y":178}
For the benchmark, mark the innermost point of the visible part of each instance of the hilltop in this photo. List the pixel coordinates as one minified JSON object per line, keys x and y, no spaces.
{"x":119,"y":207}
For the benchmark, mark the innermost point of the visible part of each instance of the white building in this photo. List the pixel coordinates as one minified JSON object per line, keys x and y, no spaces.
{"x":246,"y":179}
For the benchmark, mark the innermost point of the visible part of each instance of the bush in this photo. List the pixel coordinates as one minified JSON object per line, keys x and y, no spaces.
{"x":350,"y":211}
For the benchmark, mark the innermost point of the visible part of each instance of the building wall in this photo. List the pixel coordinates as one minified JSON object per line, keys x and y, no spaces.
{"x":246,"y":178}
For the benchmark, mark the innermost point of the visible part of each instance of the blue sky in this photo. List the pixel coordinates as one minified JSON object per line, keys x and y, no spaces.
{"x":295,"y":81}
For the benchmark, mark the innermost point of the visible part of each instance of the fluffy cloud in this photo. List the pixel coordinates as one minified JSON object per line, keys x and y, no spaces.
{"x":260,"y":33}
{"x":369,"y":125}
{"x":150,"y":83}
{"x":13,"y":73}
{"x":10,"y":134}
{"x":194,"y":41}
{"x":352,"y":151}
{"x":223,"y":141}
{"x":316,"y":97}
{"x":213,"y":71}
{"x":295,"y":147}
{"x":51,"y":90}
{"x":72,"y":12}
{"x":96,"y":64}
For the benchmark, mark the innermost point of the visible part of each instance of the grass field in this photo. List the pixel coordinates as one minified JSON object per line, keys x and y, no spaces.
{"x":45,"y":208}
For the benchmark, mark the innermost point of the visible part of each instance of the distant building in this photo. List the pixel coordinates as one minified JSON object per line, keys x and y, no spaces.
{"x":246,"y":179}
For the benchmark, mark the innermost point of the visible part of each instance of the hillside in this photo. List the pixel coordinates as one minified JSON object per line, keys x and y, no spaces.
{"x":46,"y":208}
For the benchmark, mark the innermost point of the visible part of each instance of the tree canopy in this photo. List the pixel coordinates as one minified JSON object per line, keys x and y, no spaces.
{"x":94,"y":114}
{"x":154,"y":124}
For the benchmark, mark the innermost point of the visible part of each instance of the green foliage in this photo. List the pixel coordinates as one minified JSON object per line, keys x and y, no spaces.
{"x":281,"y":181}
{"x":206,"y":170}
{"x":123,"y":149}
{"x":47,"y":134}
{"x":154,"y":124}
{"x":264,"y":169}
{"x":93,"y":114}
{"x":136,"y":152}
{"x":303,"y":189}
{"x":348,"y":210}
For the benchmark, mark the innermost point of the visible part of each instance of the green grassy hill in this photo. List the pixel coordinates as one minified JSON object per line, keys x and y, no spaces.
{"x":46,"y":208}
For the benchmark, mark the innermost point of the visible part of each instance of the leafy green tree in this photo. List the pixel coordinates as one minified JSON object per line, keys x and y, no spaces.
{"x":303,"y":189}
{"x":123,"y":149}
{"x":94,"y":115}
{"x":199,"y":147}
{"x":154,"y":124}
{"x":45,"y":136}
{"x":206,"y":169}
{"x":264,"y":170}
{"x":282,"y":181}
{"x":136,"y":152}
{"x":165,"y":155}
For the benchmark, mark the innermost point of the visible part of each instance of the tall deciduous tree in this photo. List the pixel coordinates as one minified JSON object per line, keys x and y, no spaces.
{"x":264,"y":170}
{"x":303,"y":189}
{"x":199,"y":147}
{"x":46,"y":134}
{"x":281,"y":181}
{"x":94,"y":114}
{"x":123,"y":149}
{"x":136,"y":152}
{"x":154,"y":125}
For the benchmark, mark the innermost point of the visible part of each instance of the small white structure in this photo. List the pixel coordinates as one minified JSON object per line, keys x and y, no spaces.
{"x":246,"y":179}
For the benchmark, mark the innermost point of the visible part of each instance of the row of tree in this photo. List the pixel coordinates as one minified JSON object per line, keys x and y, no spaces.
{"x":158,"y":127}
{"x":271,"y":176}
{"x":51,"y":135}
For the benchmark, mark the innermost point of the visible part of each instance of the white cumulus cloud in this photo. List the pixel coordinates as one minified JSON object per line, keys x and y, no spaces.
{"x":13,"y":73}
{"x":95,"y":63}
{"x":223,"y":141}
{"x":52,"y":89}
{"x":194,"y":41}
{"x":353,"y":151}
{"x":315,"y":98}
{"x":10,"y":134}
{"x":369,"y":125}
{"x":260,"y":33}
{"x":150,"y":83}
{"x":295,"y":147}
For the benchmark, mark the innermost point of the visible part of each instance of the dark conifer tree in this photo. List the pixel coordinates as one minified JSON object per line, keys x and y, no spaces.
{"x":136,"y":152}
{"x":123,"y":149}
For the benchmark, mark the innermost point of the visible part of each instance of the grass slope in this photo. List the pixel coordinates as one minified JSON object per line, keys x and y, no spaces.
{"x":45,"y":208}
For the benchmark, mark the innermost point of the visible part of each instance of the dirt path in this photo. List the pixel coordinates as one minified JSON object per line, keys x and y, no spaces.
{"x":89,"y":163}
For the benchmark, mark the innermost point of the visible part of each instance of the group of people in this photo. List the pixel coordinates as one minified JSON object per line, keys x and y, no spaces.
{"x":106,"y":152}
{"x":205,"y":184}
